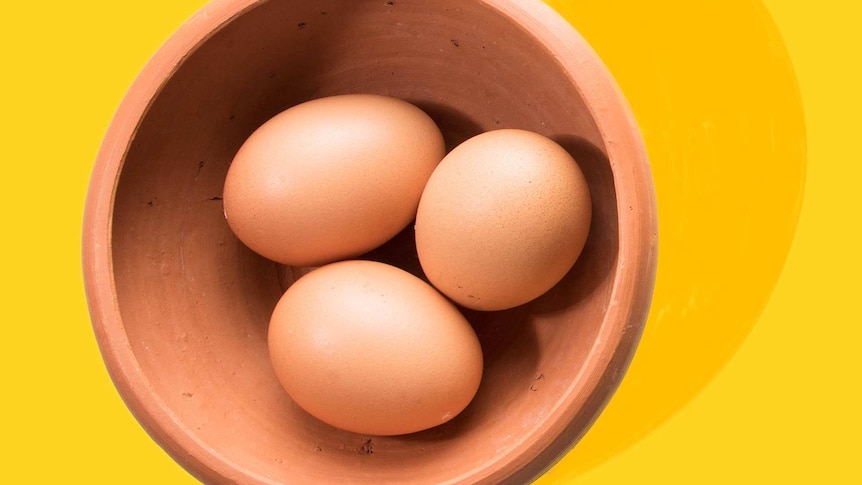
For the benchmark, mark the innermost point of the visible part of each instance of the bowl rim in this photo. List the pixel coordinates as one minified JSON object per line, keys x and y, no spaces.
{"x":620,"y":330}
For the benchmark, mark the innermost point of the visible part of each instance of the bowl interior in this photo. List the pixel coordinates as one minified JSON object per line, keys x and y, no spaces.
{"x":195,"y":303}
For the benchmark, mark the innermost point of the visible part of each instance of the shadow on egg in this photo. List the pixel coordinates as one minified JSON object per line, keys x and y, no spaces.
{"x":598,"y":258}
{"x":510,"y":351}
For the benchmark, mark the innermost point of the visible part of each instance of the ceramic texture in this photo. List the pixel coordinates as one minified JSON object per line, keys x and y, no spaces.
{"x":180,"y":307}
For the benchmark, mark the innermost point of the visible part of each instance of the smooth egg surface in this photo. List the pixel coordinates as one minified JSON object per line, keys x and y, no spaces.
{"x":369,"y":348}
{"x":331,"y":178}
{"x":502,"y":219}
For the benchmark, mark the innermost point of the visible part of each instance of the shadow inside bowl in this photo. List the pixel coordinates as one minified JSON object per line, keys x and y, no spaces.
{"x":598,"y":258}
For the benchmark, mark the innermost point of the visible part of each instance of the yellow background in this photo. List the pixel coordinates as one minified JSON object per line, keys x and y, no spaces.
{"x":748,"y":370}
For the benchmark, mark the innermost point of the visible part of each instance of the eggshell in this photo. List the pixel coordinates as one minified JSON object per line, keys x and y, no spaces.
{"x":502,"y":219}
{"x":369,"y":348}
{"x":331,"y":178}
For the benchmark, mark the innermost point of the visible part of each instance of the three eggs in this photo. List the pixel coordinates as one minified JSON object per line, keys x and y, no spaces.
{"x":365,"y":346}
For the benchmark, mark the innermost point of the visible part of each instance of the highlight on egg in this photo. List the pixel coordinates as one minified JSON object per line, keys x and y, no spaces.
{"x":502,"y":219}
{"x":331,"y":178}
{"x":367,"y":347}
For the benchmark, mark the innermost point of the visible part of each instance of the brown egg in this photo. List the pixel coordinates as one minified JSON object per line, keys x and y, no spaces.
{"x":369,"y":348}
{"x":502,"y":219}
{"x":331,"y":178}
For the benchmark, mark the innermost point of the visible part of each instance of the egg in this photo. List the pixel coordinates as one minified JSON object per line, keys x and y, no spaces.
{"x":502,"y":219}
{"x":331,"y":178}
{"x":367,"y":347}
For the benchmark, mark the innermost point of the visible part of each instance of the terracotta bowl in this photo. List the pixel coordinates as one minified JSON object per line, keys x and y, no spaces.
{"x":180,"y":307}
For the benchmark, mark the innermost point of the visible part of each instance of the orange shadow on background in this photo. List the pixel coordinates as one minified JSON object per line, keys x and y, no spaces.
{"x":715,"y":95}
